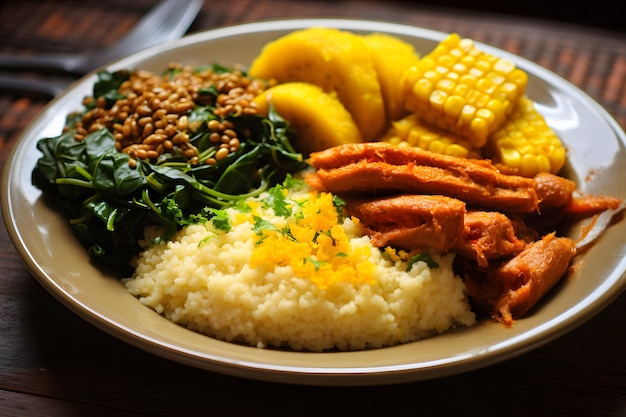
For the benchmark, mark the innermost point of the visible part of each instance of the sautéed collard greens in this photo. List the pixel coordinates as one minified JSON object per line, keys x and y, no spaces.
{"x":110,"y":203}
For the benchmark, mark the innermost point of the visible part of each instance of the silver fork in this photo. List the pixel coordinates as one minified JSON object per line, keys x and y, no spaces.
{"x":168,"y":20}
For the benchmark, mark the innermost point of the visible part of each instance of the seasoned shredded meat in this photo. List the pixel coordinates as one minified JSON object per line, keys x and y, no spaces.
{"x":508,"y":290}
{"x":487,"y":235}
{"x":502,"y":226}
{"x":382,"y":169}
{"x":423,"y":222}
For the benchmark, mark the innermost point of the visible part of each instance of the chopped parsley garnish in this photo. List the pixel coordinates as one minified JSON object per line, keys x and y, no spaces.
{"x":424,"y":258}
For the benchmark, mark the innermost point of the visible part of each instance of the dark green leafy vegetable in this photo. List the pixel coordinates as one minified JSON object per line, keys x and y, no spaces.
{"x":108,"y":84}
{"x":110,"y":204}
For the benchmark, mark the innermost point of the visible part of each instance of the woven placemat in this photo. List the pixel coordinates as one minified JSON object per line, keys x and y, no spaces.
{"x":592,"y":59}
{"x":66,"y":26}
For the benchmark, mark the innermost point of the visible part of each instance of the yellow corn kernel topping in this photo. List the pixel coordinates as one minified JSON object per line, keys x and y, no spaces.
{"x":526,"y":143}
{"x":314,"y":244}
{"x":411,"y":131}
{"x":463,"y":90}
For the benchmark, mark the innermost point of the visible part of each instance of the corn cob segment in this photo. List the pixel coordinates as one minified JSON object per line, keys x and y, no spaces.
{"x":526,"y":143}
{"x":411,"y":131}
{"x":464,"y":90}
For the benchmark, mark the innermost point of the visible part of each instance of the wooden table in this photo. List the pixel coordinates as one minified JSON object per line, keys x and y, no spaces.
{"x":52,"y":363}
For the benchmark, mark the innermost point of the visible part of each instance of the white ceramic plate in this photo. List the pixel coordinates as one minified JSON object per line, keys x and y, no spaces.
{"x":53,"y":255}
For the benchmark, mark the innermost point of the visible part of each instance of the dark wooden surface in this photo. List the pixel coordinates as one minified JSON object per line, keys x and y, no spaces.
{"x":52,"y":363}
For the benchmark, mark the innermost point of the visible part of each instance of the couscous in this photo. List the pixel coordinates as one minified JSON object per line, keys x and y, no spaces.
{"x":288,"y":270}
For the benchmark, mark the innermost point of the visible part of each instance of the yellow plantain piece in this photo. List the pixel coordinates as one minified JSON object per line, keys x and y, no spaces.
{"x":334,"y":60}
{"x":391,"y":56}
{"x":318,"y":118}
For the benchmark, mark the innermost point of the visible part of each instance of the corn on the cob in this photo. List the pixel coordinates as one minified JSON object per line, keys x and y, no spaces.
{"x":411,"y":131}
{"x":461,"y":89}
{"x":526,"y":143}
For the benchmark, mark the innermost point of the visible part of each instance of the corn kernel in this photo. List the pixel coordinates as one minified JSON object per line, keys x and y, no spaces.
{"x":454,"y":76}
{"x":468,"y":80}
{"x":504,"y":66}
{"x":518,"y":77}
{"x":456,"y":53}
{"x":459,"y":68}
{"x":454,"y":149}
{"x":466,"y":44}
{"x":476,"y":72}
{"x":485,"y":85}
{"x":454,"y":105}
{"x":468,"y":113}
{"x":557,"y":156}
{"x":529,"y":164}
{"x":422,"y":89}
{"x":468,"y":61}
{"x":441,"y":70}
{"x":437,"y":147}
{"x":425,"y":137}
{"x":496,"y":79}
{"x":480,"y":131}
{"x":543,"y":163}
{"x":446,"y":85}
{"x":510,"y":157}
{"x":432,"y":76}
{"x":483,"y":65}
{"x":437,"y":99}
{"x":413,"y":137}
{"x":427,"y":63}
{"x":482,"y":100}
{"x":446,"y":61}
{"x":461,"y":90}
{"x":497,"y":107}
{"x":486,"y":114}
{"x":508,"y":90}
{"x":410,"y":76}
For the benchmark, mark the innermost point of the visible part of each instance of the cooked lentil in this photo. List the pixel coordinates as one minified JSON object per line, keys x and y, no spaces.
{"x":152,"y":118}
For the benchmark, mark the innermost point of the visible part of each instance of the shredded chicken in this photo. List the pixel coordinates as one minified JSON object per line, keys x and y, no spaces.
{"x":487,"y":235}
{"x":436,"y":224}
{"x":509,"y":290}
{"x":560,"y":204}
{"x":383,"y":169}
{"x":422,"y":222}
{"x":502,"y":226}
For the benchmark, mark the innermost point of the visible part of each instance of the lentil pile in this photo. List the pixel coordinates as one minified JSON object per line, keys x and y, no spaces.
{"x":152,"y":117}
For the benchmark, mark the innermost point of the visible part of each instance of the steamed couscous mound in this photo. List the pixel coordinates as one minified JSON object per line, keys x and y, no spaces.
{"x":287,"y":270}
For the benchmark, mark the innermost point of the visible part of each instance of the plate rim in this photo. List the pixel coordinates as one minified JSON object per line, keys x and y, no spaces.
{"x":308,"y":375}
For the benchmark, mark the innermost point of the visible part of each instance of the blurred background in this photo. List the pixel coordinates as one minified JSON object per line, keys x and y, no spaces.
{"x":601,"y":14}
